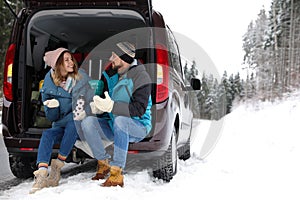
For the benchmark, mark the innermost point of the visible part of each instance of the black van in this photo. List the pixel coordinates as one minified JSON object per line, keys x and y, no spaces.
{"x":88,"y":28}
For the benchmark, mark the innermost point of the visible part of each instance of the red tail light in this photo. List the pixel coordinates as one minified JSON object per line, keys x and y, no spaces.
{"x":133,"y":152}
{"x":8,"y":67}
{"x":162,"y":86}
{"x":26,"y":149}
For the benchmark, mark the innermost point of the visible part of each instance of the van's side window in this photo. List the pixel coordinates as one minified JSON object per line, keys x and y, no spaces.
{"x":174,"y":53}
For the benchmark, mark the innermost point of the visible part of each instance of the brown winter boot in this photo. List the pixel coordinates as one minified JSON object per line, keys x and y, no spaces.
{"x":115,"y":178}
{"x":54,"y":176}
{"x":102,"y":170}
{"x":40,"y":180}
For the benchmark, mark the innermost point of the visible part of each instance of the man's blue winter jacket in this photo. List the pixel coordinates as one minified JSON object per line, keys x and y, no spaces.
{"x":131,"y":94}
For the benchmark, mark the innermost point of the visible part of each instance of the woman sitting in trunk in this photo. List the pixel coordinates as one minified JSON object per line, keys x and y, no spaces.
{"x":64,"y":85}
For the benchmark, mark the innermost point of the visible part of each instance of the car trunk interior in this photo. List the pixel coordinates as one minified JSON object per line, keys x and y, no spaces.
{"x":89,"y":34}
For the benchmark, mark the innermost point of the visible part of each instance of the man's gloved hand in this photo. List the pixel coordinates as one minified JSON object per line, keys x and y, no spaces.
{"x":105,"y":105}
{"x":52,"y":103}
{"x":94,"y":109}
{"x":79,"y":115}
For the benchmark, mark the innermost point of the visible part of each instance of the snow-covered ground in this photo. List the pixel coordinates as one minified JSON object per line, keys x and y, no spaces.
{"x":257,"y":157}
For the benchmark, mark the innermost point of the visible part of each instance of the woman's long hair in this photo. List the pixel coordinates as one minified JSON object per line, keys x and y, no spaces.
{"x":57,"y":76}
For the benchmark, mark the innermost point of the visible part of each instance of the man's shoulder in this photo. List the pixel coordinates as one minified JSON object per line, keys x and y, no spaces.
{"x":139,"y":75}
{"x":137,"y":68}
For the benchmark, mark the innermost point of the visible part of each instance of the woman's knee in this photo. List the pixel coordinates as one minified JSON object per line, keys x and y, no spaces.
{"x":49,"y":133}
{"x":71,"y":125}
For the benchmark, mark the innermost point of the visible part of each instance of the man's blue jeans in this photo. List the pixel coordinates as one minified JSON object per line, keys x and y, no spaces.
{"x":125,"y":130}
{"x":66,"y":137}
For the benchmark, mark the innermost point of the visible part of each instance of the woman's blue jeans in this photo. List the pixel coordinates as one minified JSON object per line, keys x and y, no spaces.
{"x":124,"y":130}
{"x":66,"y":137}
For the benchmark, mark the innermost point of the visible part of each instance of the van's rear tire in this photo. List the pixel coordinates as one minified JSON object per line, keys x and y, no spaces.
{"x":166,"y":167}
{"x":22,"y":167}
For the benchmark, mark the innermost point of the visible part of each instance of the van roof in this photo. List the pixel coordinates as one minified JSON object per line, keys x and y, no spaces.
{"x":36,"y":4}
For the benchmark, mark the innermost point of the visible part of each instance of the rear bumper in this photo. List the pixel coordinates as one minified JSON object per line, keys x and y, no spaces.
{"x":24,"y":147}
{"x":17,"y":143}
{"x":22,"y":152}
{"x":29,"y":148}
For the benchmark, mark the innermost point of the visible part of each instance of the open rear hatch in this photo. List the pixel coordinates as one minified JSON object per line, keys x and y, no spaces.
{"x":82,"y":30}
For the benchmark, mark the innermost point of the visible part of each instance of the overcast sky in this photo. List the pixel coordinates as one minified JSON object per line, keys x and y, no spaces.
{"x":217,"y":26}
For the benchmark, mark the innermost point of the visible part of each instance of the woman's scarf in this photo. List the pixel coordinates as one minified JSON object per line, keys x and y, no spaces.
{"x":68,"y":84}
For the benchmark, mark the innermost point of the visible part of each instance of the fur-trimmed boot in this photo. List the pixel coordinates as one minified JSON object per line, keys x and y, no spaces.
{"x":40,"y":180}
{"x":103,"y":169}
{"x":115,"y":178}
{"x":54,"y":176}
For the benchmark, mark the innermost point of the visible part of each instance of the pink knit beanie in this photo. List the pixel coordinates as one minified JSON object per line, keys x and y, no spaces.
{"x":51,"y":57}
